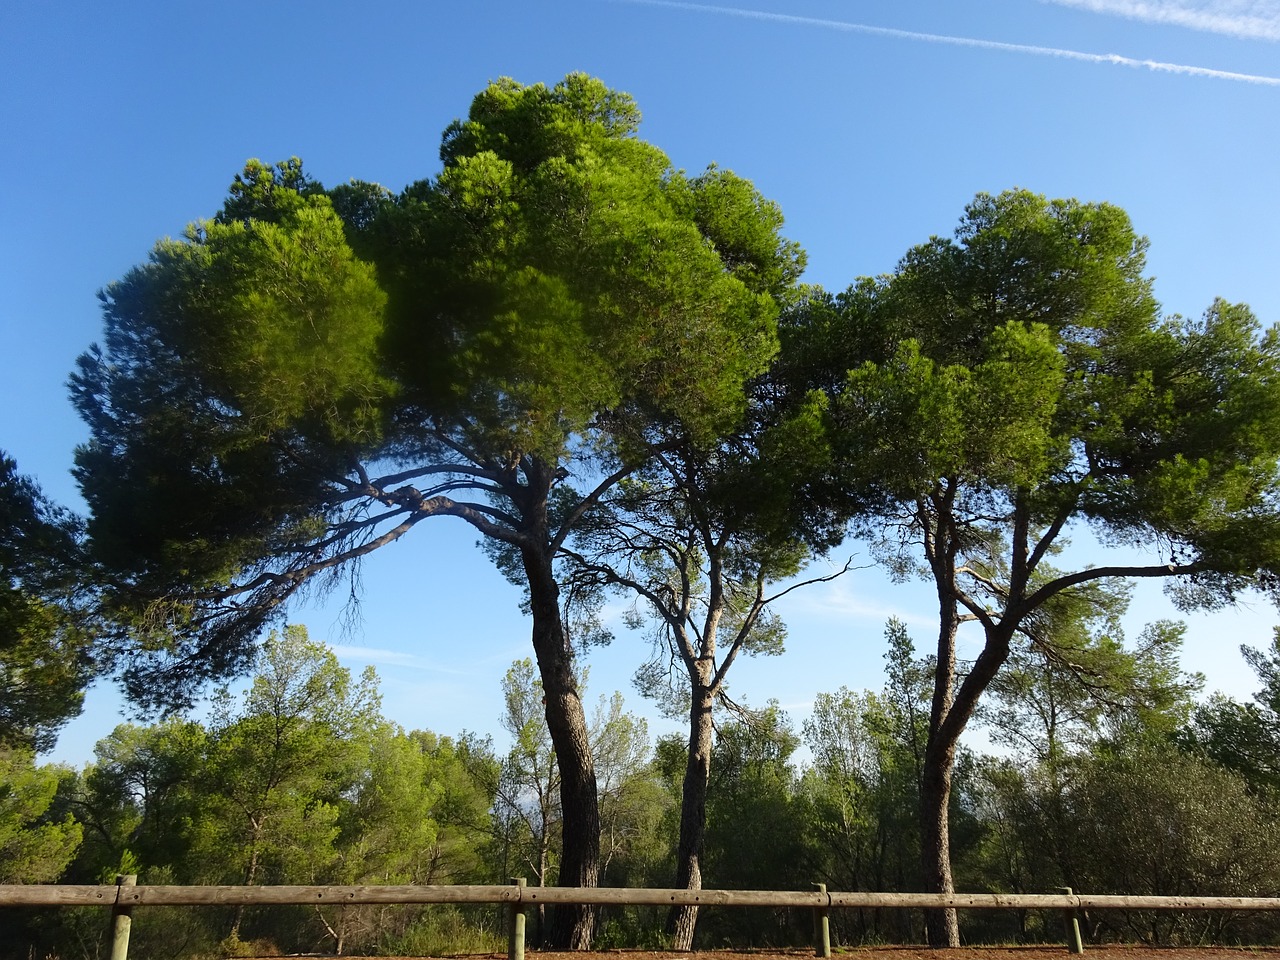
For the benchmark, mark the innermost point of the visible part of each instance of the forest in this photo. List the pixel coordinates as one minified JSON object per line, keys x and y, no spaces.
{"x":611,"y":371}
{"x":1124,"y":786}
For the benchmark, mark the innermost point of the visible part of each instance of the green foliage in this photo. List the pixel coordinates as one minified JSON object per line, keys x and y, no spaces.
{"x":446,"y":931}
{"x":279,"y":765}
{"x":46,"y":655}
{"x":1157,"y":821}
{"x":632,"y":804}
{"x":1076,"y":682}
{"x":268,"y":193}
{"x":861,"y":796}
{"x":387,"y":836}
{"x":298,"y":780}
{"x":753,"y":838}
{"x":578,"y":273}
{"x":278,"y":387}
{"x":1003,"y":386}
{"x":527,"y":804}
{"x":310,"y":374}
{"x":1245,"y":737}
{"x":33,"y":849}
{"x":462,"y":768}
{"x":1025,"y":366}
{"x":141,"y":799}
{"x":1113,"y":807}
{"x":1075,"y":694}
{"x":245,"y":330}
{"x":525,"y":784}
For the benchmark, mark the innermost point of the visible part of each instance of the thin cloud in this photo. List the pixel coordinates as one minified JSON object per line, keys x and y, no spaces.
{"x":1114,"y":59}
{"x":395,"y":658}
{"x":845,"y":603}
{"x":1250,"y":19}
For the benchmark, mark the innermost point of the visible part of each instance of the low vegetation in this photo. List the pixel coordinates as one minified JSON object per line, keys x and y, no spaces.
{"x":1100,"y":786}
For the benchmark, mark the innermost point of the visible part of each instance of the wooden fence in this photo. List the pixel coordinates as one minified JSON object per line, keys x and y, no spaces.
{"x":123,"y":896}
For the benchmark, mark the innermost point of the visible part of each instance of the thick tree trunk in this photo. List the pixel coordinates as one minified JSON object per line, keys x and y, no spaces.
{"x":571,"y":926}
{"x":941,"y":925}
{"x":693,"y":809}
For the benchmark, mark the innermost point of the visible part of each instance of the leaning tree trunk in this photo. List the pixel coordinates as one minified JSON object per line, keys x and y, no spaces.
{"x":571,"y":926}
{"x":950,"y":713}
{"x":693,"y":810}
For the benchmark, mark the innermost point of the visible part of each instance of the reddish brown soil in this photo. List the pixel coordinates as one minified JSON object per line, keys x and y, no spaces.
{"x":1109,"y":952}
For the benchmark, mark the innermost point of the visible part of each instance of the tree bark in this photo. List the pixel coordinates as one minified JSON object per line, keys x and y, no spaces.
{"x":951,"y":712}
{"x":683,"y":920}
{"x":571,"y":926}
{"x":942,"y":927}
{"x":250,"y":874}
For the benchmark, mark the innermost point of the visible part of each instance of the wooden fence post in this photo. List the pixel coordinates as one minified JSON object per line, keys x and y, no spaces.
{"x":515,"y":924}
{"x":1074,"y":944}
{"x":121,"y":919}
{"x":821,"y":926}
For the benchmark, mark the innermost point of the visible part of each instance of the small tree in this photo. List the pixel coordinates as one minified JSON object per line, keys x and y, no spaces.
{"x":280,"y":764}
{"x":754,"y":833}
{"x":527,"y":803}
{"x":524,"y":783}
{"x":1070,"y":686}
{"x":863,"y":789}
{"x":1245,"y":737}
{"x":694,"y":540}
{"x":1059,"y":700}
{"x":141,"y":796}
{"x":31,"y":851}
{"x":1150,"y":820}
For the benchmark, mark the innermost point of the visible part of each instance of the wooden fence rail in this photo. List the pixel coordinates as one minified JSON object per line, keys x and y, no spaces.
{"x":109,"y":895}
{"x":123,"y":896}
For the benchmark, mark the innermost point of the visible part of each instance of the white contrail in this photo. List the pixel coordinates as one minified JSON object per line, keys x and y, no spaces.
{"x":1250,"y":19}
{"x":1112,"y":58}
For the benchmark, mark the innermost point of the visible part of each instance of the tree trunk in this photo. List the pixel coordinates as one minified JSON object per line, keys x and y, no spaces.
{"x":250,"y":875}
{"x":949,"y":715}
{"x":571,"y":926}
{"x":941,"y":925}
{"x":683,"y":920}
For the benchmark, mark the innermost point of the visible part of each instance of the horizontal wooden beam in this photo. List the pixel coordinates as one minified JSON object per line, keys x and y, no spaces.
{"x":60,"y":895}
{"x":1050,"y":901}
{"x":73,"y":895}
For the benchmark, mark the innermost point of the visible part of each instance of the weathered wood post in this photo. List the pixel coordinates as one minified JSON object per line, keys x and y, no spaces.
{"x":121,"y":918}
{"x":1074,"y":944}
{"x":515,"y":923}
{"x":821,"y":926}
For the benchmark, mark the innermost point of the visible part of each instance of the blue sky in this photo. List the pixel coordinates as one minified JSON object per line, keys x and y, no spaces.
{"x":871,"y":123}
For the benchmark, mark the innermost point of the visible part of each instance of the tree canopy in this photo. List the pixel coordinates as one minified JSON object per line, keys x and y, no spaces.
{"x":267,"y":402}
{"x":1008,"y":385}
{"x":46,"y":655}
{"x":311,"y":374}
{"x":575,"y":348}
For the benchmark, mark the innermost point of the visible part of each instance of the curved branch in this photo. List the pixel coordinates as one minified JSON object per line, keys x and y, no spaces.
{"x":305,"y":572}
{"x":1054,"y":587}
{"x":585,"y":504}
{"x":848,"y":565}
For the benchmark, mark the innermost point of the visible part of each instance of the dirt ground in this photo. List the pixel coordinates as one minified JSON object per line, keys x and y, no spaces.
{"x":907,"y":953}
